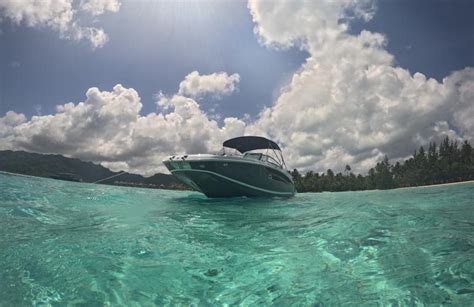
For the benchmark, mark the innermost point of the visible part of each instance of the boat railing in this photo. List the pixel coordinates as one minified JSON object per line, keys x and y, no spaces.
{"x":263,"y":158}
{"x":277,"y":161}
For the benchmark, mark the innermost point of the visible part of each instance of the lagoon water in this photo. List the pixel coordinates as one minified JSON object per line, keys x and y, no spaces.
{"x":94,"y":245}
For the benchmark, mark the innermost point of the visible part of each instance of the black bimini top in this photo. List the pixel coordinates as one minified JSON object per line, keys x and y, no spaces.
{"x":247,"y":143}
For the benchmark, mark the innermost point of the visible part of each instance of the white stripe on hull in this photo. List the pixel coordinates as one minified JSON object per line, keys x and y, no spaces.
{"x":235,"y":181}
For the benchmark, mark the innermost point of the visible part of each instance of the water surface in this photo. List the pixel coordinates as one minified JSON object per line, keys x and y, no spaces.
{"x":93,"y":245}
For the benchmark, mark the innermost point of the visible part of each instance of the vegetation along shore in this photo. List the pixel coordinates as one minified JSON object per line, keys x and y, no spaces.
{"x":447,"y":162}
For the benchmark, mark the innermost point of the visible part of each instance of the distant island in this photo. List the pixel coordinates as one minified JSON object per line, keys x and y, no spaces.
{"x":60,"y":167}
{"x":447,"y":163}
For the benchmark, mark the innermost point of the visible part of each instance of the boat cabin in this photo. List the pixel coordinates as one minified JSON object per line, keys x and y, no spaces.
{"x":249,"y":145}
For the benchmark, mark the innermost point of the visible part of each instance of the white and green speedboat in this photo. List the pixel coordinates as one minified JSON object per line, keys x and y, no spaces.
{"x":246,"y":166}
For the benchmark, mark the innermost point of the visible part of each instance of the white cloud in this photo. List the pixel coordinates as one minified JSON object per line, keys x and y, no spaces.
{"x":9,"y":121}
{"x":99,"y":7}
{"x":462,"y":104}
{"x":217,"y":84}
{"x":107,"y":127}
{"x":60,"y":16}
{"x":286,"y":23}
{"x":7,"y":128}
{"x":349,"y":103}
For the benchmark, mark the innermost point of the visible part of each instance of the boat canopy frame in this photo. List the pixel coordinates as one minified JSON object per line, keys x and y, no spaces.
{"x":244,"y":144}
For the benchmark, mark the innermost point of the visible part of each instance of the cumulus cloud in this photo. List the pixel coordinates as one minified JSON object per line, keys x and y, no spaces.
{"x":349,"y":103}
{"x":60,"y":16}
{"x":107,"y":127}
{"x":7,"y":127}
{"x":99,"y":7}
{"x":217,"y":84}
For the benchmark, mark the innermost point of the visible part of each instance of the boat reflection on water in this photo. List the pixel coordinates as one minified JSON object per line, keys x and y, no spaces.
{"x":250,"y":166}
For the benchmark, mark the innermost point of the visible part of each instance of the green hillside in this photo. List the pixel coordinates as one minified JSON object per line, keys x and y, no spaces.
{"x":49,"y":165}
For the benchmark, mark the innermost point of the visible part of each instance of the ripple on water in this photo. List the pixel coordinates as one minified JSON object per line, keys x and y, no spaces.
{"x":97,"y":245}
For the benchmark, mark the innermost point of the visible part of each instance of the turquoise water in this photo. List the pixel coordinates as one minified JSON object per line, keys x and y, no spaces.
{"x":97,"y":245}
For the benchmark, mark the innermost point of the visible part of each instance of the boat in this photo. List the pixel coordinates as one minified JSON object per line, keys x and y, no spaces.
{"x":251,"y":166}
{"x":67,"y":177}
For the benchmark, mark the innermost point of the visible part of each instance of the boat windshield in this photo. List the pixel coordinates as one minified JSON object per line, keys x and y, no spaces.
{"x":256,"y":148}
{"x":261,"y":157}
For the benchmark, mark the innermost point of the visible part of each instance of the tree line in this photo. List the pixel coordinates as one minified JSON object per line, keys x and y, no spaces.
{"x":449,"y":162}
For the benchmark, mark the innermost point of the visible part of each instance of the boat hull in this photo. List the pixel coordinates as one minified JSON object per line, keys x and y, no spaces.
{"x":221,"y":177}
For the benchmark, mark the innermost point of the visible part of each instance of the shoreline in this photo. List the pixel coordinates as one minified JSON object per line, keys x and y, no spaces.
{"x":403,"y":188}
{"x":415,"y":187}
{"x":433,"y":185}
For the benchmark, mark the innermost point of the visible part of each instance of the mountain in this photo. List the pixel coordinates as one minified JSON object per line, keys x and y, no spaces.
{"x":50,"y":165}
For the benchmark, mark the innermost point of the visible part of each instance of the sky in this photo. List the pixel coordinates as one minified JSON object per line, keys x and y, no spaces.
{"x":126,"y":83}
